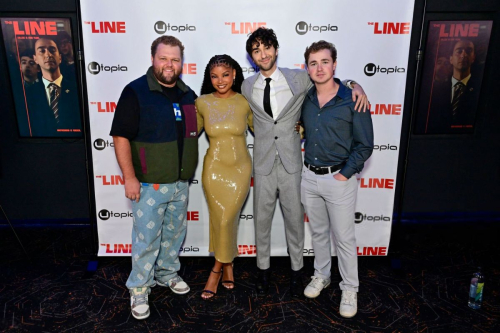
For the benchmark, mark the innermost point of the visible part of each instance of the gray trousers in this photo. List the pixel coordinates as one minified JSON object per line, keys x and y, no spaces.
{"x":265,"y":192}
{"x":330,"y":204}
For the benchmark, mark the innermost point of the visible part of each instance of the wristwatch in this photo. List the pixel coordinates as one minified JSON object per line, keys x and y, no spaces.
{"x":349,"y":83}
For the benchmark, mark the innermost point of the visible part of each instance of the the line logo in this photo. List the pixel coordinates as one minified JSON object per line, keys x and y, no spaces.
{"x":372,"y":251}
{"x":458,"y":30}
{"x":247,"y":249}
{"x":385,"y":109}
{"x":107,"y":27}
{"x":390,"y":28}
{"x":193,"y":216}
{"x":244,"y":28}
{"x":377,"y":183}
{"x":117,"y":248}
{"x":112,"y":180}
{"x":188,"y":68}
{"x":34,"y":28}
{"x":104,"y":106}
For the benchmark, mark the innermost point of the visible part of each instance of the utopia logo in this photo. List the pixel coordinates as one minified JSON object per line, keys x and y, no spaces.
{"x":189,"y":249}
{"x":94,"y":68}
{"x":372,"y":69}
{"x":105,"y":214}
{"x":302,"y":28}
{"x":249,"y":70}
{"x":162,"y":27}
{"x":101,"y":144}
{"x":360,"y":217}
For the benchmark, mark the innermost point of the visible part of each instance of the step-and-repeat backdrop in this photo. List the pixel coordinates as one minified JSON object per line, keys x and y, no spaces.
{"x":372,"y":39}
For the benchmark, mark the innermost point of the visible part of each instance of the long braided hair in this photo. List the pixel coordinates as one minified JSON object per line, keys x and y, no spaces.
{"x":222,"y":60}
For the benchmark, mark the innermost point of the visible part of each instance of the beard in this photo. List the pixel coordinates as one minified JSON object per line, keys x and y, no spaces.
{"x":269,"y":65}
{"x":164,"y":79}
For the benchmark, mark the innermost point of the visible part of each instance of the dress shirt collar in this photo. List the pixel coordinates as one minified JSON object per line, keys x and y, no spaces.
{"x":274,"y":77}
{"x":464,"y":80}
{"x":56,"y":81}
{"x":342,"y":93}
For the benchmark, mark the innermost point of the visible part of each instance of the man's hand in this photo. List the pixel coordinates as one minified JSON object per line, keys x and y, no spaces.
{"x":299,"y":129}
{"x":124,"y":158}
{"x":359,"y":96}
{"x":133,"y":189}
{"x":340,"y":177}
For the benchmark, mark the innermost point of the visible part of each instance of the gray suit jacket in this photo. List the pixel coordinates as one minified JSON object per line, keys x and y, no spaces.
{"x":271,"y":135}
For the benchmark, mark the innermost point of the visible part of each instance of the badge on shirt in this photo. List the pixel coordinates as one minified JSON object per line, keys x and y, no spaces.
{"x":177,"y":112}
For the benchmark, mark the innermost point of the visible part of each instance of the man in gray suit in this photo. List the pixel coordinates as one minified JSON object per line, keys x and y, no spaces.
{"x":275,"y":96}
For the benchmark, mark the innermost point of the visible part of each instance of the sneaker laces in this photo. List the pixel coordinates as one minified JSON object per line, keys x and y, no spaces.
{"x":140,"y":299}
{"x":175,"y":280}
{"x":348,"y":297}
{"x":317,"y":282}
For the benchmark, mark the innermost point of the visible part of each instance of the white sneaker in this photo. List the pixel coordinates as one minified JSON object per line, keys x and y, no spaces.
{"x":348,"y":304}
{"x":139,"y":302}
{"x":314,"y":287}
{"x":176,"y":284}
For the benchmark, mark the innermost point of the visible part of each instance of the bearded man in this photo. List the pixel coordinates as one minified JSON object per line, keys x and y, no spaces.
{"x":156,"y":143}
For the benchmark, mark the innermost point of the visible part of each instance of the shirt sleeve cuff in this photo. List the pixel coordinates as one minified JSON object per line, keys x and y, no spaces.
{"x":347,"y":171}
{"x":349,"y":83}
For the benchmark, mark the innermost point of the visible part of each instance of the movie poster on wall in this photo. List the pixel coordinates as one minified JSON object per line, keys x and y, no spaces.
{"x":41,"y":63}
{"x":453,"y":69}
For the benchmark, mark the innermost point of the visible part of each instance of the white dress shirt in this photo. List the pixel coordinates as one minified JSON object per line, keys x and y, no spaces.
{"x":46,"y":83}
{"x":280,"y":92}
{"x":454,"y":81}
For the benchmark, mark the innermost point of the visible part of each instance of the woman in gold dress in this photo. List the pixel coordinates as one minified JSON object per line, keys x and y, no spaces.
{"x":224,"y":114}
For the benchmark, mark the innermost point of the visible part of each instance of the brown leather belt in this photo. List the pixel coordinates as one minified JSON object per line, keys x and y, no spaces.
{"x":324,"y":170}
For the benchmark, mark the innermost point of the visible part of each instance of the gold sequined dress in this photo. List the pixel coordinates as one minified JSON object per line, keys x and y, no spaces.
{"x":227,"y":168}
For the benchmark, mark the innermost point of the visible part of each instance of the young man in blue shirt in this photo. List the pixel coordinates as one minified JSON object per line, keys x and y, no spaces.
{"x":338,"y":142}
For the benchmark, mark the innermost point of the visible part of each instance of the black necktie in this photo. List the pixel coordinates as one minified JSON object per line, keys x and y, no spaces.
{"x":267,"y":98}
{"x":458,"y":90}
{"x":54,"y":91}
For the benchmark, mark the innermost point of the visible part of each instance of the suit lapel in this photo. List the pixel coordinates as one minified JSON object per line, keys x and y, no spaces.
{"x":294,"y":87}
{"x":249,"y":93}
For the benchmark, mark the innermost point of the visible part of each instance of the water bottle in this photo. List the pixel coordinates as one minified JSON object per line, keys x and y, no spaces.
{"x":476,"y":290}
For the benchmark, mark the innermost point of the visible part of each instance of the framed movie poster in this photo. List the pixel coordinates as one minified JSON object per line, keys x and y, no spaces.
{"x":41,"y":63}
{"x":454,"y":63}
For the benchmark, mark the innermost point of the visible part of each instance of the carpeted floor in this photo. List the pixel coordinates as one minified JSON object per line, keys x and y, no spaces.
{"x":426,"y":291}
